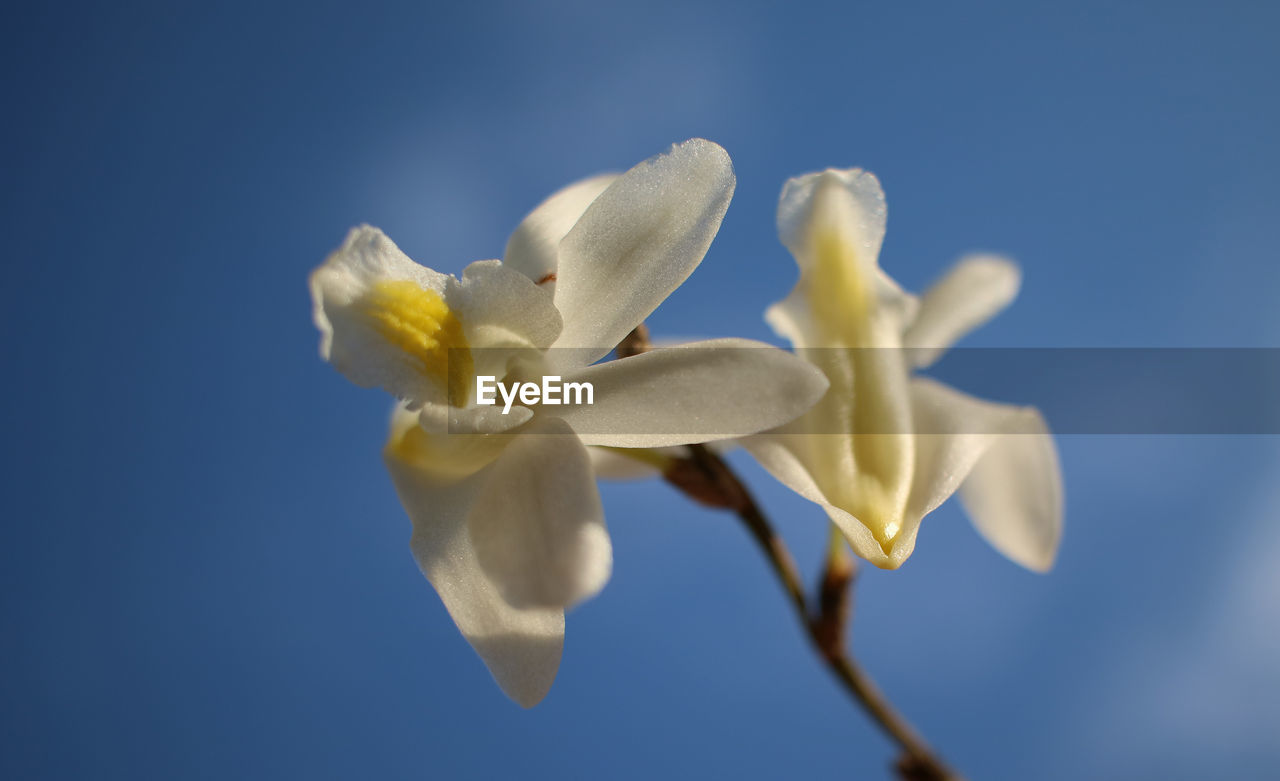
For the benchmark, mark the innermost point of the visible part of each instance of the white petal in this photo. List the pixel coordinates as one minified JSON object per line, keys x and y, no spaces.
{"x":503,"y":308}
{"x":792,"y":458}
{"x":849,"y":202}
{"x":958,"y":432}
{"x":637,"y":242}
{"x":521,"y":647}
{"x":533,"y":248}
{"x":538,"y":527}
{"x":793,"y":317}
{"x":454,"y":423}
{"x":610,"y":463}
{"x":506,"y":317}
{"x":368,"y":351}
{"x":833,"y":223}
{"x":1014,"y":497}
{"x":973,"y":292}
{"x":635,"y":463}
{"x":717,"y":389}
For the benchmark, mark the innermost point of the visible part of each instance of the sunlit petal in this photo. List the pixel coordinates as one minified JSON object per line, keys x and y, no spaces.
{"x":976,"y":289}
{"x":636,"y":243}
{"x":619,"y":463}
{"x":384,"y":320}
{"x":539,"y":530}
{"x":795,"y":459}
{"x":534,"y":247}
{"x":1015,"y":499}
{"x":1014,"y":496}
{"x":717,"y":389}
{"x":521,"y":647}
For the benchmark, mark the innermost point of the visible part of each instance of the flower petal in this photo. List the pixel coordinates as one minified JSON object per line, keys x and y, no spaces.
{"x":503,"y":308}
{"x":521,"y":647}
{"x":792,"y":458}
{"x":636,"y":243}
{"x":1014,"y":497}
{"x":833,"y":224}
{"x":505,"y":317}
{"x":970,"y":294}
{"x":792,"y":318}
{"x":538,"y":527}
{"x":616,"y":463}
{"x":533,"y":248}
{"x":383,"y":319}
{"x":634,"y":463}
{"x":849,"y":202}
{"x":853,"y":314}
{"x":455,"y":424}
{"x":717,"y":389}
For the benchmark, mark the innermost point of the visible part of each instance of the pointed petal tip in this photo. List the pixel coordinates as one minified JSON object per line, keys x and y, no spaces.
{"x":524,"y":671}
{"x":1040,"y":562}
{"x":885,"y":556}
{"x":889,"y":554}
{"x":1041,"y":567}
{"x":520,"y":648}
{"x":1014,"y":495}
{"x":1040,"y":559}
{"x":528,"y":701}
{"x":887,"y":563}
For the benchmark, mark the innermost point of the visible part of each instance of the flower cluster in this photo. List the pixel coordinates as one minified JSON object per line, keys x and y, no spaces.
{"x":507,"y":520}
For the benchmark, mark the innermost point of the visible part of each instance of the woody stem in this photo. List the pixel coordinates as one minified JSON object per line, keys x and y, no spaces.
{"x":706,"y":478}
{"x":825,"y":629}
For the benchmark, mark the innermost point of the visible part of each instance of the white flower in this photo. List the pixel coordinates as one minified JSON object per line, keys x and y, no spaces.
{"x":507,"y":522}
{"x":883,"y":448}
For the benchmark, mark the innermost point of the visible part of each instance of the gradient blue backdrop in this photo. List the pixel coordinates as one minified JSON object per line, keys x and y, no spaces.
{"x":204,"y":572}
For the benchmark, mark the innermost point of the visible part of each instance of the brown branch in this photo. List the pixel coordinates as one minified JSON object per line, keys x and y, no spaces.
{"x":634,"y":343}
{"x":835,"y":601}
{"x":734,"y":497}
{"x":706,"y":478}
{"x":826,"y":629}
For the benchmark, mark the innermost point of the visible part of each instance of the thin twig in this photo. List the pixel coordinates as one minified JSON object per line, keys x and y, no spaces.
{"x":918,"y":763}
{"x":634,"y":343}
{"x":709,"y":480}
{"x":835,"y":598}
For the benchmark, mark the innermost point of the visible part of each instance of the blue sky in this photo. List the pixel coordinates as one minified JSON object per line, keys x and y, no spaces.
{"x":205,"y":571}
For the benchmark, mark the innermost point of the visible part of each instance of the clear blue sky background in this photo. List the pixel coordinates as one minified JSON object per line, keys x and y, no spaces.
{"x":204,"y":572}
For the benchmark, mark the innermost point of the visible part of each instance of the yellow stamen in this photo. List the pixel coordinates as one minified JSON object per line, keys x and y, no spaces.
{"x":419,"y":322}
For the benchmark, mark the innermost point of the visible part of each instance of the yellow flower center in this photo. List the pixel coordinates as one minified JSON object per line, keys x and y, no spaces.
{"x":840,"y":296}
{"x":845,"y":307}
{"x":420,"y":323}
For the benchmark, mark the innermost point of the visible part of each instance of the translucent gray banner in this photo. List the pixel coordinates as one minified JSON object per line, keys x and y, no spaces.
{"x":1078,"y":390}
